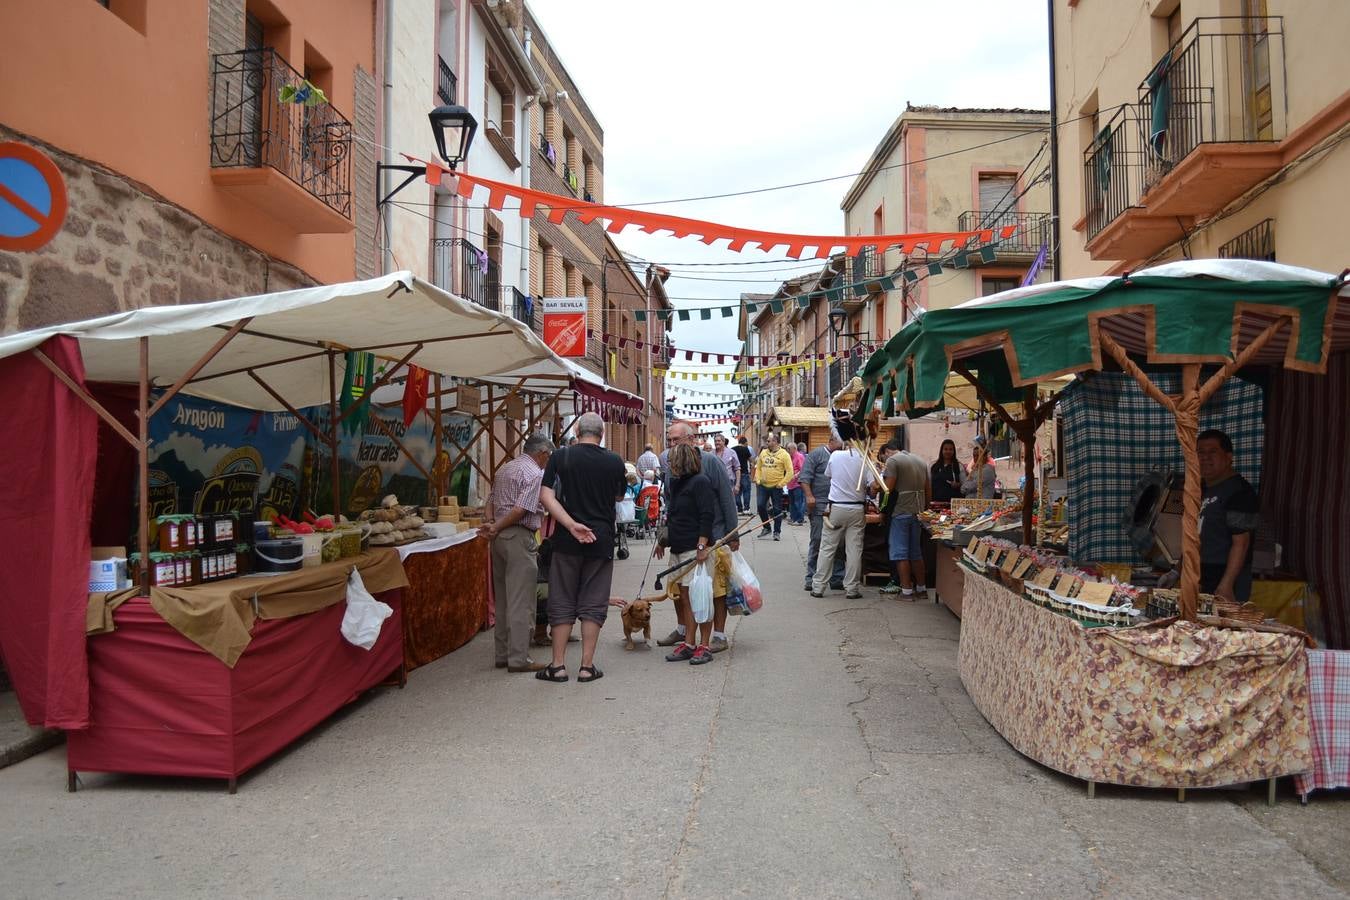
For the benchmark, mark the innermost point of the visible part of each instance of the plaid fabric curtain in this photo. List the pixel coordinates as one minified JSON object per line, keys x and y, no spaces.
{"x":1114,"y":434}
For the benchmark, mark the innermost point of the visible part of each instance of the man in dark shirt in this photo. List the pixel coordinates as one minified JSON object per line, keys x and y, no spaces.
{"x":580,"y":486}
{"x":742,"y":487}
{"x":1230,"y":513}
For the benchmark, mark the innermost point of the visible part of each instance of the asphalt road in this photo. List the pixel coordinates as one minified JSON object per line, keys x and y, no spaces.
{"x":832,"y":752}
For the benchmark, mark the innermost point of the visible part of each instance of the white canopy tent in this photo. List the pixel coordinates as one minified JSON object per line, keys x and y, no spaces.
{"x":282,"y":351}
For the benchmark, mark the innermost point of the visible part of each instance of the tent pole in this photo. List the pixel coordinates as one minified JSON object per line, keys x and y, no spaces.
{"x":1188,"y":426}
{"x":436,"y":486}
{"x":1028,"y":436}
{"x":201,"y":364}
{"x":333,"y":445}
{"x":304,"y":420}
{"x":85,"y":397}
{"x":143,"y":458}
{"x":491,"y":426}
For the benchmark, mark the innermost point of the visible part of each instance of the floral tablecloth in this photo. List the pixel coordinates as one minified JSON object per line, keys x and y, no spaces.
{"x":1180,"y":705}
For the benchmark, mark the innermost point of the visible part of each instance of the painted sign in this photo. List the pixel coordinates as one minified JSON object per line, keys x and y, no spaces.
{"x":32,"y":197}
{"x":565,"y":325}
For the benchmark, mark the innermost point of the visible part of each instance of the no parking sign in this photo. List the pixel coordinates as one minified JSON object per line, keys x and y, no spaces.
{"x":32,"y":197}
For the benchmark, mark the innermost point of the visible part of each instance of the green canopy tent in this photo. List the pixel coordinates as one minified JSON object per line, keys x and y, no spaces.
{"x":1224,"y":313}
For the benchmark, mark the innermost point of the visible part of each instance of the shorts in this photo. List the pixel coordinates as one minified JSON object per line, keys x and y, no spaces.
{"x":678,"y":558}
{"x":904,"y":538}
{"x":578,"y":588}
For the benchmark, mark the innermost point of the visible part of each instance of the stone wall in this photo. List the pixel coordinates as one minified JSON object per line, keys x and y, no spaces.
{"x":123,"y":246}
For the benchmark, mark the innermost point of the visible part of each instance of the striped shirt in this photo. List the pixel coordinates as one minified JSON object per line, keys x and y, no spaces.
{"x":517,"y":484}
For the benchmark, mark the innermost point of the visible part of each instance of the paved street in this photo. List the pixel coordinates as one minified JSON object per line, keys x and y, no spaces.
{"x":832,"y":752}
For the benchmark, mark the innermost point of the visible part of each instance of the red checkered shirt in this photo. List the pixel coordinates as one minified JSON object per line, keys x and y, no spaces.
{"x":517,"y":484}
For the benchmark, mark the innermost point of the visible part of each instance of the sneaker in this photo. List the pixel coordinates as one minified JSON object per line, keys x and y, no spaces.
{"x":818,"y":594}
{"x":836,"y":585}
{"x":853,"y":595}
{"x":530,"y":666}
{"x":681,"y":652}
{"x":671,"y":639}
{"x":718,"y":645}
{"x":921,"y":594}
{"x":702,"y":654}
{"x":891,"y":588}
{"x":766,"y":533}
{"x":777,"y":537}
{"x":808,"y":585}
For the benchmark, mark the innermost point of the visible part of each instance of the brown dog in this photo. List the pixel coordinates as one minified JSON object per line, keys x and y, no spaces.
{"x":637,"y":616}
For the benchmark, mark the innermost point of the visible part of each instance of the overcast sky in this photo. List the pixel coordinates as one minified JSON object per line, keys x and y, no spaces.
{"x":699,"y":98}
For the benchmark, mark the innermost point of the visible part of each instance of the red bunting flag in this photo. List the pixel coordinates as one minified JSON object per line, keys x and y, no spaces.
{"x":414,"y":394}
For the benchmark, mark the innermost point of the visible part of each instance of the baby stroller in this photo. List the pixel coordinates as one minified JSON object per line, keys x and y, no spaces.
{"x":625,"y":515}
{"x":648,"y":511}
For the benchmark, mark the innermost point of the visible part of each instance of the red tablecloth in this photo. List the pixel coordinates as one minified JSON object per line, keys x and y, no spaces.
{"x":448,"y":599}
{"x":163,"y":706}
{"x":1329,"y":697}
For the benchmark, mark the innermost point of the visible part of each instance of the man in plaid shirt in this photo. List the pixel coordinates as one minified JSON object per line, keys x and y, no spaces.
{"x":515,"y":515}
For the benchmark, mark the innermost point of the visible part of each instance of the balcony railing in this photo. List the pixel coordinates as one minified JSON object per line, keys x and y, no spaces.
{"x":479,"y":276}
{"x":447,"y":85}
{"x":1033,"y":231}
{"x":1257,"y":242}
{"x":570,"y":177}
{"x":523,"y":308}
{"x":1223,"y":81}
{"x":1113,"y":170}
{"x":867,"y":264}
{"x":251,"y":127}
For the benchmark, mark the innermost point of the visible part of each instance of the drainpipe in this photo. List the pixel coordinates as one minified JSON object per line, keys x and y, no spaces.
{"x":387,"y":259}
{"x":525,"y":155}
{"x":1054,"y":150}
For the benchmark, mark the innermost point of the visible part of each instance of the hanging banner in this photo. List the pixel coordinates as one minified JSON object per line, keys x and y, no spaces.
{"x":565,"y":325}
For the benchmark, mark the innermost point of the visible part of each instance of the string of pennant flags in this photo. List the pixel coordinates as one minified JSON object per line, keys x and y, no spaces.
{"x":862,"y":348}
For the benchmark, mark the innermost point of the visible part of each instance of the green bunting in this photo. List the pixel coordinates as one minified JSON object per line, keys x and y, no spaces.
{"x":639,"y":315}
{"x":705,"y":313}
{"x":683,"y":314}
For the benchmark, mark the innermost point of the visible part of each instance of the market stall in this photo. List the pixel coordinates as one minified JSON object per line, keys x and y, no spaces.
{"x":305,"y":362}
{"x":1045,"y":647}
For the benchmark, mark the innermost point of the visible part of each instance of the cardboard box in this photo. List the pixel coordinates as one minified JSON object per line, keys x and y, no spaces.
{"x":107,"y":569}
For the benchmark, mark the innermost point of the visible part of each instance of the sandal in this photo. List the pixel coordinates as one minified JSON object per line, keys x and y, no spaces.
{"x":595,"y":674}
{"x":550,"y":673}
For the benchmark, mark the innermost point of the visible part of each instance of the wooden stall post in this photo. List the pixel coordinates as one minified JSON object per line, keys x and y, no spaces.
{"x":438,"y":486}
{"x":1027,"y":436}
{"x":143,"y":460}
{"x":491,"y":427}
{"x":1187,"y":415}
{"x":333,"y":469}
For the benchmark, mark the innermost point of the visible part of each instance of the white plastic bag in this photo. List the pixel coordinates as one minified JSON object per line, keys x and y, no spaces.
{"x":625,"y":510}
{"x":365,"y":615}
{"x":701,"y":594}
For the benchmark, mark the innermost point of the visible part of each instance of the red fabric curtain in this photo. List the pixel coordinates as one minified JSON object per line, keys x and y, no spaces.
{"x":44,"y":529}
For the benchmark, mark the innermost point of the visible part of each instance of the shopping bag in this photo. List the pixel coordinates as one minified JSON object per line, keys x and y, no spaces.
{"x":744,"y":579}
{"x":701,"y":594}
{"x":736,"y":604}
{"x":365,"y":615}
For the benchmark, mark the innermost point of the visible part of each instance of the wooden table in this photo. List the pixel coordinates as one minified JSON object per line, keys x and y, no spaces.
{"x":950,"y":577}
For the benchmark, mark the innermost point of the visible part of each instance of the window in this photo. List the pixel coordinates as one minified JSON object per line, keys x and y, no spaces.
{"x":998,"y":195}
{"x":997,"y":285}
{"x":130,"y":11}
{"x":499,"y":100}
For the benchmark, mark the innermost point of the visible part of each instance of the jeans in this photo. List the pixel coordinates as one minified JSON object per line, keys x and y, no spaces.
{"x":770,"y":503}
{"x":904,"y":538}
{"x":813,"y":550}
{"x":743,"y":493}
{"x":797,"y":504}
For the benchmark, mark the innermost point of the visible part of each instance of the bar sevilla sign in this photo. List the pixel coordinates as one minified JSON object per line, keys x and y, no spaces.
{"x":565,"y":325}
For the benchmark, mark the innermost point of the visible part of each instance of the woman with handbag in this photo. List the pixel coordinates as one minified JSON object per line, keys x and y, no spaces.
{"x":689,"y":521}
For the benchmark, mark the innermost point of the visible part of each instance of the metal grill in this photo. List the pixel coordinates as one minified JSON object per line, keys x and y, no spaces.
{"x":251,"y":127}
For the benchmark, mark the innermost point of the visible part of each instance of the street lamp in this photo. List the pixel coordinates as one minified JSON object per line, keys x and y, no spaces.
{"x":838,"y":318}
{"x":453,"y":128}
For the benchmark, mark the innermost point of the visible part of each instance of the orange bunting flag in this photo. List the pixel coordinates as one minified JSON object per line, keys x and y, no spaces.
{"x":796,"y":245}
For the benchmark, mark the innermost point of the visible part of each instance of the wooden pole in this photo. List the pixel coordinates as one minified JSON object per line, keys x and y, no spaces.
{"x":334,"y":443}
{"x":1188,"y":426}
{"x":491,"y":426}
{"x":438,"y":486}
{"x":143,"y":460}
{"x":1028,"y":438}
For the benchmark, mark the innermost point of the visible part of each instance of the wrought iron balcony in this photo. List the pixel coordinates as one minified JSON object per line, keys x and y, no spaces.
{"x":253,"y":128}
{"x":1033,"y":232}
{"x":479,"y":278}
{"x":1223,"y":81}
{"x":447,"y":85}
{"x":1112,"y":171}
{"x":523,"y":308}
